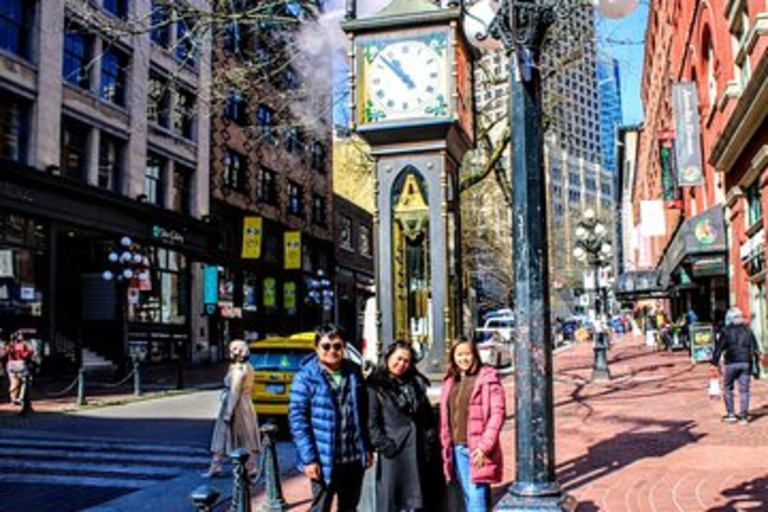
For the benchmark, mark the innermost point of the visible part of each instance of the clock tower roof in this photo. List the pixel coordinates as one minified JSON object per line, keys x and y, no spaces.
{"x":402,"y":14}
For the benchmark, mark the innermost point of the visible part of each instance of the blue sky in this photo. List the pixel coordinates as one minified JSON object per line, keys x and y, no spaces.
{"x":623,"y":40}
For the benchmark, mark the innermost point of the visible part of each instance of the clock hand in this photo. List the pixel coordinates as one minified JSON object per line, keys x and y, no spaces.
{"x":397,"y":69}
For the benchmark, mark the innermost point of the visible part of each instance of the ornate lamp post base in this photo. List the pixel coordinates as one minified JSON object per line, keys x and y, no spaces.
{"x":559,"y":502}
{"x":600,"y":370}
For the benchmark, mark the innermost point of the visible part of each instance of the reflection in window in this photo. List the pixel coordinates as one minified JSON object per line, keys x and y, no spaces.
{"x":74,"y":158}
{"x":13,"y":127}
{"x":163,"y":298}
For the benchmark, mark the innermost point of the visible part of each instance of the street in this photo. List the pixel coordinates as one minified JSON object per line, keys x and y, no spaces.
{"x":146,"y":455}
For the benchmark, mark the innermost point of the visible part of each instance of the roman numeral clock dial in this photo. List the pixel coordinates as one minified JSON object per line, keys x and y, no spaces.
{"x":406,"y":80}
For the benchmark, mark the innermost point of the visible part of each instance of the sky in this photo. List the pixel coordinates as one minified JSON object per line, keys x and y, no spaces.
{"x":623,"y":40}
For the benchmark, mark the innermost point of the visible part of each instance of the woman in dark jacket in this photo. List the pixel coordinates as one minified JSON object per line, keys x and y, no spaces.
{"x":404,"y":432}
{"x":739,"y":347}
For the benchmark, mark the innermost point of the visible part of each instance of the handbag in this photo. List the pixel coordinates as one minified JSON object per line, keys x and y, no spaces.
{"x":755,"y":365}
{"x":714,"y":388}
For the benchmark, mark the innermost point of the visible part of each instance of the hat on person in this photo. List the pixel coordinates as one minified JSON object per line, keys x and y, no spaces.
{"x":734,"y":316}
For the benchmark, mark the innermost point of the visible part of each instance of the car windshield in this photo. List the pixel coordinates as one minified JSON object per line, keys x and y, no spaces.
{"x":284,"y":360}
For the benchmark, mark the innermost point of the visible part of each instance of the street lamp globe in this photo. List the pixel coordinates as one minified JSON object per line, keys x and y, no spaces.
{"x":126,"y":241}
{"x":589,"y":214}
{"x":615,"y":8}
{"x":606,"y":249}
{"x":107,"y":275}
{"x":581,"y":232}
{"x":113,"y":257}
{"x":579,"y":253}
{"x":599,"y":229}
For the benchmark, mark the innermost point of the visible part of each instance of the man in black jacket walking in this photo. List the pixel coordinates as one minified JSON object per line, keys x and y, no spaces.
{"x":737,"y":343}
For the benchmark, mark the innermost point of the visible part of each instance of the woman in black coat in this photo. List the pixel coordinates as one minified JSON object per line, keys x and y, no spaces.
{"x":404,"y":432}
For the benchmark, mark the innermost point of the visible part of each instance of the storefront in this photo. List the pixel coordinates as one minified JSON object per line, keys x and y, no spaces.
{"x":55,"y":237}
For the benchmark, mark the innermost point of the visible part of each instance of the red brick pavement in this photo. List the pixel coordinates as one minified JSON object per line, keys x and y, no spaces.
{"x":648,"y":440}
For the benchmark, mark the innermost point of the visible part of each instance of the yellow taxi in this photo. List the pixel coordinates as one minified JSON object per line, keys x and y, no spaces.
{"x":275,"y":361}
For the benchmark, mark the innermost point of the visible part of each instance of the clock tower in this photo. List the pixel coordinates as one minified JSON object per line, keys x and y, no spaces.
{"x":412,"y":100}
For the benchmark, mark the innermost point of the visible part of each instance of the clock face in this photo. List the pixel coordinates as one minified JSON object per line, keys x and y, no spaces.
{"x":406,"y":78}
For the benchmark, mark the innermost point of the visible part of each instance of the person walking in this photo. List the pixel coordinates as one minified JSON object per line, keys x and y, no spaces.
{"x":472,"y":411}
{"x":737,"y":345}
{"x":18,"y":354}
{"x":237,"y":425}
{"x":328,"y":419}
{"x":404,"y":433}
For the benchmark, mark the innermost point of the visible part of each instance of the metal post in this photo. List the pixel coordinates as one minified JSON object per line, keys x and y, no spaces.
{"x":204,"y":498}
{"x":522,"y":26}
{"x":81,"y":387}
{"x":180,"y":370}
{"x":26,"y":394}
{"x":241,"y":487}
{"x":600,"y":366}
{"x":273,"y":489}
{"x":136,"y":377}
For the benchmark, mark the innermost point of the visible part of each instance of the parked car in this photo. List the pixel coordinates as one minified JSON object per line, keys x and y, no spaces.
{"x":275,"y":361}
{"x":495,"y":351}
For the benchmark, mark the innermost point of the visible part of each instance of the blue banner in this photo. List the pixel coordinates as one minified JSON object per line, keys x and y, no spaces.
{"x":211,"y":284}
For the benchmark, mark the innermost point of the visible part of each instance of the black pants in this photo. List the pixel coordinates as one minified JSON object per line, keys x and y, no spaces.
{"x":346,"y":484}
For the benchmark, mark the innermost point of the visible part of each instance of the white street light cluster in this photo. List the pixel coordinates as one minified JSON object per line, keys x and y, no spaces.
{"x":320,"y":291}
{"x":591,"y":243}
{"x":128,"y":261}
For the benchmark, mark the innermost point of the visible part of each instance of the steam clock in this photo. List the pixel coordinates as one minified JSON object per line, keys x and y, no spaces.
{"x":412,"y":101}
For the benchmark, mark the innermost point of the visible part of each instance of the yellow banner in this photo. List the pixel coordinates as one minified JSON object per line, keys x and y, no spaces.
{"x":289,"y":295}
{"x":251,"y":238}
{"x":293,"y":250}
{"x":270,"y":299}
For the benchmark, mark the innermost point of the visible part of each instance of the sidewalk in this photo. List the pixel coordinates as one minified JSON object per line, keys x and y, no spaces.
{"x":650,"y":439}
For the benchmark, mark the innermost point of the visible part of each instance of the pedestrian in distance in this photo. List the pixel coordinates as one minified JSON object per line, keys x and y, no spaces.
{"x":404,"y":432}
{"x":18,"y":354}
{"x":328,"y":419}
{"x":472,"y":413}
{"x":738,"y":347}
{"x":237,"y":425}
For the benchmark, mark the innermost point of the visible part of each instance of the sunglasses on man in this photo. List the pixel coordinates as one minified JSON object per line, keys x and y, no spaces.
{"x":336,"y":347}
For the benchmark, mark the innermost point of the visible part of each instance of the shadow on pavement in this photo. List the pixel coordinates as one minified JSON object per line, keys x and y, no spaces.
{"x":746,"y":496}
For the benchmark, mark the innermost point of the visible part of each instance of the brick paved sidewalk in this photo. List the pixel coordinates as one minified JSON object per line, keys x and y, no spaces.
{"x":650,"y":439}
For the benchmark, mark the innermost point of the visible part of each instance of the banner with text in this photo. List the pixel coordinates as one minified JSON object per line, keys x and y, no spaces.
{"x":289,"y":295}
{"x":252,"y":238}
{"x":270,"y":292}
{"x":685,"y":105}
{"x":293,"y":250}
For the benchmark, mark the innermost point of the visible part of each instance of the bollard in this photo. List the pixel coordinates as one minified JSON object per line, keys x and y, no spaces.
{"x":272,"y":487}
{"x":204,"y":498}
{"x":136,"y":377}
{"x":81,"y":387}
{"x":241,"y":488}
{"x":26,"y":394}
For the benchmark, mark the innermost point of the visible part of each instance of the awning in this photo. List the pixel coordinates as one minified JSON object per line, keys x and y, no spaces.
{"x":642,"y":284}
{"x":698,"y":249}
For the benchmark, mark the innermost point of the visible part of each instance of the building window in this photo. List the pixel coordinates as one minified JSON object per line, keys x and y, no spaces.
{"x":165,"y":299}
{"x":236,"y":108}
{"x":292,"y":140}
{"x":74,"y":149}
{"x":318,"y":210}
{"x":754,"y":209}
{"x":291,"y":79}
{"x":158,"y":100}
{"x":117,"y":7}
{"x":365,"y":241}
{"x":184,"y":113}
{"x":77,"y":55}
{"x":110,"y":159}
{"x":264,"y":119}
{"x":295,"y":199}
{"x":16,"y":27}
{"x":114,"y":65}
{"x":267,"y":186}
{"x":180,"y":194}
{"x":345,"y":233}
{"x":186,"y":44}
{"x":161,"y":23}
{"x":234,"y":173}
{"x":153,"y":179}
{"x":318,"y":156}
{"x":14,"y":125}
{"x":711,"y":79}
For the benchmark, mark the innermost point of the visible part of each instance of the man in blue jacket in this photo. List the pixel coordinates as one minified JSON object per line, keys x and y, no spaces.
{"x":327,"y":415}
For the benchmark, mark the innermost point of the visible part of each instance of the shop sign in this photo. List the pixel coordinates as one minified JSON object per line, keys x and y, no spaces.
{"x":702,"y":342}
{"x":270,"y":292}
{"x":710,"y":266}
{"x":669,"y":189}
{"x":685,"y":105}
{"x":210,"y":284}
{"x":16,"y":192}
{"x":252,"y":232}
{"x":292,"y":241}
{"x":168,"y":236}
{"x":6,"y":263}
{"x":289,"y":298}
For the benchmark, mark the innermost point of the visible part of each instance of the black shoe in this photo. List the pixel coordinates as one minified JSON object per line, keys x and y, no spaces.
{"x":730,"y":418}
{"x":743,"y":419}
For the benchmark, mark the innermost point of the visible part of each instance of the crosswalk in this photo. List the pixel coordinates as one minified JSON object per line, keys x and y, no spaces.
{"x":119,"y":464}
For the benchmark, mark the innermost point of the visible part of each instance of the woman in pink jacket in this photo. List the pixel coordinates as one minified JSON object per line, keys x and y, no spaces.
{"x":471,"y":416}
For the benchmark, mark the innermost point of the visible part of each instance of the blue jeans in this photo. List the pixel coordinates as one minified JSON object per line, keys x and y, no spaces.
{"x":737,"y":372}
{"x":476,"y":496}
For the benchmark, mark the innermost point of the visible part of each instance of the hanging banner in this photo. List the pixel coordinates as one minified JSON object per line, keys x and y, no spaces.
{"x":289,"y":295}
{"x":685,"y":105}
{"x":210,"y":284}
{"x":652,"y":218}
{"x":270,"y":295}
{"x":251,"y":238}
{"x":292,"y":250}
{"x":669,"y":188}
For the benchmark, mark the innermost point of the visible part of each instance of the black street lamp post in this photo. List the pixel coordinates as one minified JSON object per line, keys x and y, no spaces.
{"x":593,"y":248}
{"x":520,"y":27}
